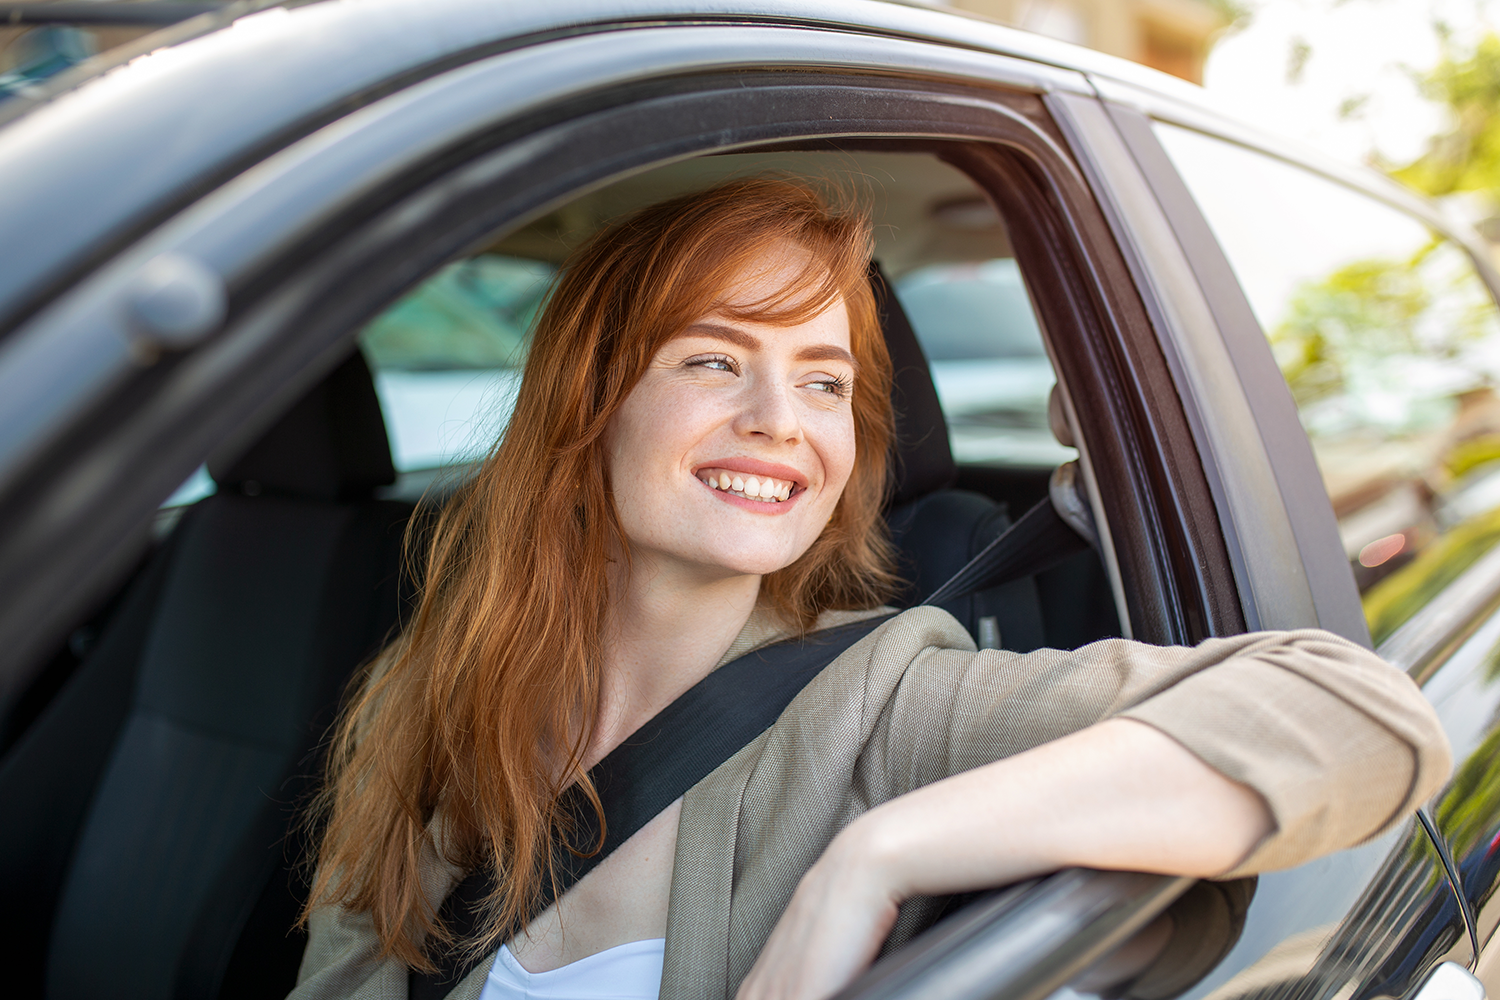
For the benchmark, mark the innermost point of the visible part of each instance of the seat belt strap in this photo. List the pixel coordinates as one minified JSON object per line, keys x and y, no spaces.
{"x":1038,"y":541}
{"x":677,"y":748}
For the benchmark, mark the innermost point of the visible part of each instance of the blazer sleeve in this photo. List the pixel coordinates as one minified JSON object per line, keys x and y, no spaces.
{"x":1339,"y":744}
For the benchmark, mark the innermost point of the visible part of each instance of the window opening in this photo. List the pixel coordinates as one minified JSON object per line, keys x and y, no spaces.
{"x":979,"y":332}
{"x":447,"y":358}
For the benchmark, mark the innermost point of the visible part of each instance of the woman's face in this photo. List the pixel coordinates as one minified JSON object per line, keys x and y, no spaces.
{"x":730,"y":454}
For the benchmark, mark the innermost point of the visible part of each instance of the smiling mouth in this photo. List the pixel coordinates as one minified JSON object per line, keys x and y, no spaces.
{"x":762,"y":488}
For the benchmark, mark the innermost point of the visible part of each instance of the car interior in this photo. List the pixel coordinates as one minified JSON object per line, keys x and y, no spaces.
{"x":156,"y":771}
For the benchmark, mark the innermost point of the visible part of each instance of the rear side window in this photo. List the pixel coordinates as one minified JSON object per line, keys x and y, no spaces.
{"x":1390,"y":344}
{"x":977,"y":328}
{"x":447,"y":358}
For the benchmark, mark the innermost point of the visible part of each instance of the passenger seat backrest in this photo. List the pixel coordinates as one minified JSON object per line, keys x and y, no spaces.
{"x":268,"y":596}
{"x":331,"y":445}
{"x":937,"y":529}
{"x":921,"y":458}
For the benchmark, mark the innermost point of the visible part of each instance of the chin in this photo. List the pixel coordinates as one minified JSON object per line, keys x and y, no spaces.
{"x":754,"y":563}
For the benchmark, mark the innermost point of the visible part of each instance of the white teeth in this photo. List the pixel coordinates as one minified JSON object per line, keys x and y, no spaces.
{"x":749,"y":487}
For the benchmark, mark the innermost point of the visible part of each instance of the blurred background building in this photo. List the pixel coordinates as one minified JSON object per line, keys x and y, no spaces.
{"x":1174,"y":36}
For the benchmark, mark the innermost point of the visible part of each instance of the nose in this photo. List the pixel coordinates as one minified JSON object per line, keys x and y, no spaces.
{"x":769,"y":412}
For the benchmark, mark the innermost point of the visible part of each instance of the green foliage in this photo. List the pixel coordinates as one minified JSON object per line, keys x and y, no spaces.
{"x":1467,"y":158}
{"x":1236,"y":13}
{"x":1377,"y":332}
{"x":1370,"y":308}
{"x":474,"y":313}
{"x":1466,"y":811}
{"x":1470,"y":455}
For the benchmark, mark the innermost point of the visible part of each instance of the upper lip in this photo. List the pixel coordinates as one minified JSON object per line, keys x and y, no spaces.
{"x":755,"y":467}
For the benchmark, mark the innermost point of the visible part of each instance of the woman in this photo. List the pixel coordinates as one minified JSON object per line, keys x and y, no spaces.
{"x":694,"y":468}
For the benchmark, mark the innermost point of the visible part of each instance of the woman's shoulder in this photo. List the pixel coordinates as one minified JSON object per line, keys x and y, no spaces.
{"x":931,"y":626}
{"x":914,"y":628}
{"x":875,"y":664}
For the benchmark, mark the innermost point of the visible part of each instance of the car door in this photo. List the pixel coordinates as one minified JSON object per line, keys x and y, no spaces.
{"x":281,"y":252}
{"x":1280,"y":279}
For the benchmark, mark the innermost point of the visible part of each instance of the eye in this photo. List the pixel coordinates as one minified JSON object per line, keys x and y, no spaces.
{"x":714,"y":362}
{"x":839,"y":387}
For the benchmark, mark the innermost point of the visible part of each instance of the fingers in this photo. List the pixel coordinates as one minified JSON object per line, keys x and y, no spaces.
{"x":830,"y":933}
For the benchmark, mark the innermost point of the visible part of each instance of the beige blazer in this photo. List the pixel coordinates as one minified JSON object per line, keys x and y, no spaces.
{"x":1340,"y":745}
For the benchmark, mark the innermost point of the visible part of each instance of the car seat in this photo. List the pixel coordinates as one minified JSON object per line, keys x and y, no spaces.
{"x":147,"y":809}
{"x":937,"y":529}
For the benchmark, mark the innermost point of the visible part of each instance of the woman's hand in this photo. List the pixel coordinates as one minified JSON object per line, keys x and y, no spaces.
{"x":1118,"y":795}
{"x":833,"y":928}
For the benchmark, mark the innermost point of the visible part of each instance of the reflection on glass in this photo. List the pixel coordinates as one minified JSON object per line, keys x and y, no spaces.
{"x":991,"y":372}
{"x":1405,"y":922}
{"x":447,"y":358}
{"x":1390,"y":344}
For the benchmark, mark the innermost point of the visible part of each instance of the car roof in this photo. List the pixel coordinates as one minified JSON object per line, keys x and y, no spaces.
{"x":92,"y":157}
{"x":99,"y":155}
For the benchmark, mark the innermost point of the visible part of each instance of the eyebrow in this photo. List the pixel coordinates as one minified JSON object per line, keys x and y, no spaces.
{"x":815,"y":352}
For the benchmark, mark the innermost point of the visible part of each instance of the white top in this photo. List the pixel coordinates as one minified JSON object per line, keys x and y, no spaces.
{"x":625,"y":972}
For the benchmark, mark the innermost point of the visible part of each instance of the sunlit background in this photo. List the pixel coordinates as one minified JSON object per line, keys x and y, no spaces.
{"x":1411,"y":87}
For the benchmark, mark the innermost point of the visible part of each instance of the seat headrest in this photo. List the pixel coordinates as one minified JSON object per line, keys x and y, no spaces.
{"x":331,"y":445}
{"x":921,"y":460}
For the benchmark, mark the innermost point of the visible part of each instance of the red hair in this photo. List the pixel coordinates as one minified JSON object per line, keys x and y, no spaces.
{"x":482,"y":709}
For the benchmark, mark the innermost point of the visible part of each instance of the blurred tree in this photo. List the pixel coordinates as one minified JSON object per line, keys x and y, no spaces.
{"x":1370,"y":308}
{"x":1467,"y":158}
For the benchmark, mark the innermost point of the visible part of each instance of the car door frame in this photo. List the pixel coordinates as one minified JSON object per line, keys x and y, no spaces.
{"x":107,"y":440}
{"x":1209,"y":321}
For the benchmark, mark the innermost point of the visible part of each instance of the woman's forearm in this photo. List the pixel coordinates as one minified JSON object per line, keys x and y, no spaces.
{"x":1118,"y":795}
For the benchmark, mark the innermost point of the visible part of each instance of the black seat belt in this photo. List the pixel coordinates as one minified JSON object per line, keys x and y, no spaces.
{"x":714,"y":720}
{"x":1038,"y":541}
{"x":679,"y":747}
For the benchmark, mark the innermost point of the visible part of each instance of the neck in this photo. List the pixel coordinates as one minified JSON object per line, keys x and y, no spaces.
{"x":667,"y":630}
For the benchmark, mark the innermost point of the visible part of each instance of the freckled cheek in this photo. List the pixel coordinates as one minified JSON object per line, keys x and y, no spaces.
{"x":656,"y":429}
{"x":834,"y":443}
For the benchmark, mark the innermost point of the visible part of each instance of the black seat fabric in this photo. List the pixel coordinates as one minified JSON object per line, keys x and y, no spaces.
{"x":936,"y":535}
{"x":151,"y":804}
{"x":937,"y":529}
{"x":921,"y":459}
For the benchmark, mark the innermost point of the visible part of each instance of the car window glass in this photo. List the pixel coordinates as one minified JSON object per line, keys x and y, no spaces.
{"x":197,"y":486}
{"x":1390,"y":343}
{"x":447,"y":358}
{"x":976,"y":326}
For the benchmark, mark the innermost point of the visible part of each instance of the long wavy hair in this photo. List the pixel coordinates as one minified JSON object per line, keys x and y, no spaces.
{"x":481,"y":711}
